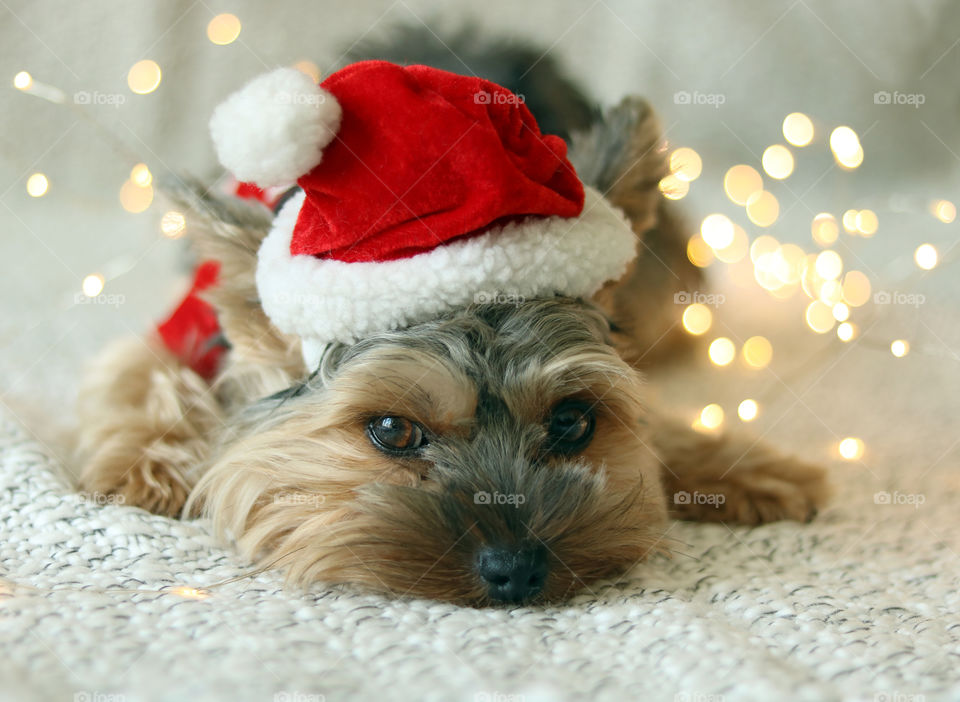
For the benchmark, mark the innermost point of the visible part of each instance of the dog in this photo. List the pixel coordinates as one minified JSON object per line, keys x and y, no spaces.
{"x":499,"y":452}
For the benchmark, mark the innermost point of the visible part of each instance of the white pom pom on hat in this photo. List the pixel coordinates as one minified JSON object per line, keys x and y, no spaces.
{"x":274,"y":129}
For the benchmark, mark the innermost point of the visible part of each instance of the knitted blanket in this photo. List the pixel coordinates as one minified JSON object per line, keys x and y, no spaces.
{"x":114,"y":604}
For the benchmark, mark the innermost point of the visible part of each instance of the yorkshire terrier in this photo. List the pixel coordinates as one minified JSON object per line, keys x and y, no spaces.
{"x":498,"y":452}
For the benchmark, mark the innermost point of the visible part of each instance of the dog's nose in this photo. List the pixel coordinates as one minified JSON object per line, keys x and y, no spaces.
{"x":512,"y":574}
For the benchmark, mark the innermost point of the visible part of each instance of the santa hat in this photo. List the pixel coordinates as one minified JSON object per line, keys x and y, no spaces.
{"x":421,"y":191}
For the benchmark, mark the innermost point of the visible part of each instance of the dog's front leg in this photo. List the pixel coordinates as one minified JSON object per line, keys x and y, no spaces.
{"x":735,"y":479}
{"x":146,"y":423}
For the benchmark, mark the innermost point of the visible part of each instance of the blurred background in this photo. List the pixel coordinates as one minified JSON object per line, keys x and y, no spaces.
{"x":829,"y":322}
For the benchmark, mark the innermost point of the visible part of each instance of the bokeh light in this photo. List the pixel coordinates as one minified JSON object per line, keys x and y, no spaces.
{"x":944,"y":210}
{"x":722,"y":351}
{"x":223,"y":29}
{"x":144,"y":77}
{"x":798,"y":129}
{"x":926,"y":256}
{"x":737,"y":249}
{"x":92,"y":285}
{"x":711,"y":416}
{"x":697,"y":319}
{"x":37,"y":185}
{"x":824,"y":229}
{"x":846,"y":331}
{"x":173,"y":224}
{"x":777,"y":161}
{"x":134,"y":198}
{"x":748,"y":410}
{"x":846,"y":147}
{"x":141,"y":175}
{"x":819,"y":316}
{"x":685,"y":164}
{"x":22,"y":81}
{"x":850,"y":449}
{"x":841,"y":312}
{"x":856,"y":289}
{"x":190,"y":593}
{"x":763,"y":244}
{"x":831,"y":292}
{"x":757,"y":352}
{"x":674,"y":188}
{"x":699,"y":252}
{"x":829,"y":265}
{"x":717,"y":231}
{"x":900,"y":348}
{"x":310,"y":68}
{"x":763,"y":208}
{"x":740,"y":182}
{"x":850,"y":221}
{"x":867,"y":222}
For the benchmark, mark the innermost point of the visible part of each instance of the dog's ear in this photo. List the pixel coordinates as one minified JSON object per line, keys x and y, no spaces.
{"x":230,"y":230}
{"x":623,"y":155}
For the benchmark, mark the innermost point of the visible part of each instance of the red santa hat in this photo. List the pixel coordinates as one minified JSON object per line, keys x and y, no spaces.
{"x":422,"y":191}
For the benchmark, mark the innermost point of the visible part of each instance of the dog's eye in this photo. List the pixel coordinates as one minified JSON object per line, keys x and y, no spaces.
{"x":571,"y":427}
{"x":396,"y":435}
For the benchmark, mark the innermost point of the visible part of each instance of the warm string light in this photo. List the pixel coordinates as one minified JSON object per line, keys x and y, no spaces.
{"x":697,"y":319}
{"x":22,"y":81}
{"x":847,"y":331}
{"x":711,"y":417}
{"x":926,"y":257}
{"x":763,"y":208}
{"x":699,"y":252}
{"x":866,"y":223}
{"x":685,"y":167}
{"x":717,"y":231}
{"x":310,"y":68}
{"x":850,"y":449}
{"x":748,"y":410}
{"x":686,"y":164}
{"x":944,"y":210}
{"x":797,"y":129}
{"x":92,"y":285}
{"x":37,"y":185}
{"x":777,"y":161}
{"x":740,"y":182}
{"x":834,"y":292}
{"x":824,"y":229}
{"x":674,"y":188}
{"x":223,"y":29}
{"x":173,"y":224}
{"x":144,"y":77}
{"x":136,"y":193}
{"x":722,"y":351}
{"x":189,"y":593}
{"x":900,"y":348}
{"x":846,"y":147}
{"x":757,"y":352}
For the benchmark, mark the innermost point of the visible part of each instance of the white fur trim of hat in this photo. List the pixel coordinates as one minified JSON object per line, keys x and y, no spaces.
{"x":325,"y":300}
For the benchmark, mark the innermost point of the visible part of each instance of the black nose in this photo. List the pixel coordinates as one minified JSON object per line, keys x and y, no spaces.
{"x":512,"y":574}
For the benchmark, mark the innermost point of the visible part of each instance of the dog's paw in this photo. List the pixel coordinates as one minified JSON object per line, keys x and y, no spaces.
{"x":144,"y":483}
{"x":766,"y":490}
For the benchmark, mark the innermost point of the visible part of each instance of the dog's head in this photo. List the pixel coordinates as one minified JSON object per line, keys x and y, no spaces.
{"x":498,"y":454}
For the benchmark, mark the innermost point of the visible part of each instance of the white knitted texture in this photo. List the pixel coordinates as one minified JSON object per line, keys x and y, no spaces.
{"x":844,"y":608}
{"x":326,"y":300}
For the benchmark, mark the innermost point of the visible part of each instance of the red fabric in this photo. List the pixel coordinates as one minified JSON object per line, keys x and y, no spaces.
{"x":422,"y":157}
{"x":192,"y":332}
{"x":250,"y":191}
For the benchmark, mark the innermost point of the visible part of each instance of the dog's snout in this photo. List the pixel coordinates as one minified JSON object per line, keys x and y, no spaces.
{"x":512,"y":574}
